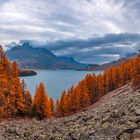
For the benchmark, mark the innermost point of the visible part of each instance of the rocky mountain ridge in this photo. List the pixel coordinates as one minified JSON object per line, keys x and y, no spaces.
{"x":104,"y":66}
{"x":115,"y":117}
{"x":29,"y":57}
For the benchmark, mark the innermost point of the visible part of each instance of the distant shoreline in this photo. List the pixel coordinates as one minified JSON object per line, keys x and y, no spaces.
{"x":34,"y":69}
{"x":24,"y":73}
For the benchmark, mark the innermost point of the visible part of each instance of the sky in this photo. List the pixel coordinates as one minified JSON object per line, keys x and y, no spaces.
{"x":91,"y":31}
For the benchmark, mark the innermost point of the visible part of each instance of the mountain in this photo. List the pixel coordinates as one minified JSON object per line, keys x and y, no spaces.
{"x":130,"y":55}
{"x":93,"y":67}
{"x":113,"y":63}
{"x":105,"y":66}
{"x":118,"y":62}
{"x":29,"y":57}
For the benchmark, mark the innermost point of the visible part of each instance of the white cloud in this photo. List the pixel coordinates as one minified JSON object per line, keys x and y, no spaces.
{"x":60,"y":19}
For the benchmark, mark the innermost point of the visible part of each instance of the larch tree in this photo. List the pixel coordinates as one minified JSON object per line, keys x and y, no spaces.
{"x":136,"y":73}
{"x":28,"y":102}
{"x":19,"y":99}
{"x":52,"y":106}
{"x":92,"y":87}
{"x":41,"y":104}
{"x":62,"y":108}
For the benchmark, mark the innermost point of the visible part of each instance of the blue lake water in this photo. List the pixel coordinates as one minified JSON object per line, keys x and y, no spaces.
{"x":55,"y":81}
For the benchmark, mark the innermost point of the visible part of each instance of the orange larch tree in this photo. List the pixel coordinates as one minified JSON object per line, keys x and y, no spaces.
{"x":52,"y":106}
{"x":41,"y":104}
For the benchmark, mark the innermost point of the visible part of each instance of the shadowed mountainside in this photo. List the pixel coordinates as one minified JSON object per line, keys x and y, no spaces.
{"x":28,"y":57}
{"x":105,"y":66}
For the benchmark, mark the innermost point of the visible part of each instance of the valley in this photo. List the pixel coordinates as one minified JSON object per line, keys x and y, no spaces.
{"x":70,"y":70}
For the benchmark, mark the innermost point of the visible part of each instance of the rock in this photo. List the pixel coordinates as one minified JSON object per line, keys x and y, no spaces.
{"x":10,"y":130}
{"x":125,"y":136}
{"x":74,"y":136}
{"x":136,"y":131}
{"x":138,"y":124}
{"x":2,"y":138}
{"x":117,"y":114}
{"x":43,"y":137}
{"x":136,"y":119}
{"x":136,"y":134}
{"x":91,"y":132}
{"x":51,"y":138}
{"x":83,"y":137}
{"x":137,"y":111}
{"x":92,"y":138}
{"x":110,"y":119}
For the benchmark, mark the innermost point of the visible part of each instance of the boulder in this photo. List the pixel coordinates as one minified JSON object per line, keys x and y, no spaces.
{"x":43,"y":137}
{"x":125,"y":136}
{"x":137,"y":111}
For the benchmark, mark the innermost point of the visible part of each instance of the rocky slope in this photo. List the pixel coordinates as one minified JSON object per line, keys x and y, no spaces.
{"x":115,"y":117}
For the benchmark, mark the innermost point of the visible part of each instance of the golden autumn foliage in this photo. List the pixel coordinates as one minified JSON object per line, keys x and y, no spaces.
{"x":28,"y":102}
{"x":52,"y":106}
{"x":15,"y":99}
{"x":92,"y":87}
{"x":12,"y":99}
{"x":41,"y":104}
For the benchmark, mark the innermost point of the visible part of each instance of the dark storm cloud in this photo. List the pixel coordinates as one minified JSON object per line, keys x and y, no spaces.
{"x":95,"y":50}
{"x":103,"y":41}
{"x":99,"y":49}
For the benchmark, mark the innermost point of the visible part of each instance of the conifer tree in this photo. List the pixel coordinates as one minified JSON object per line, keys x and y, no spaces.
{"x":41,"y":104}
{"x":52,"y":106}
{"x":28,"y":102}
{"x":62,"y":104}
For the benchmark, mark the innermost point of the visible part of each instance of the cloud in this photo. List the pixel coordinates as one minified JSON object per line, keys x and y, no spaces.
{"x":101,"y":29}
{"x":56,"y":20}
{"x":99,"y":49}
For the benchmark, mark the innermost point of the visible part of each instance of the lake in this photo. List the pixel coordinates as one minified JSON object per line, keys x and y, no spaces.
{"x":55,"y":81}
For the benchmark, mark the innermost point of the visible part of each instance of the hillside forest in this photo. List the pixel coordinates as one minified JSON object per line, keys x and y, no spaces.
{"x":16,"y":100}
